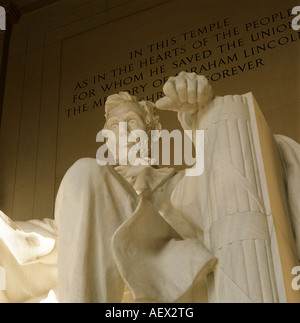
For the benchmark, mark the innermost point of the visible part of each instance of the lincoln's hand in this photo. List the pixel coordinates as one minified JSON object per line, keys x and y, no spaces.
{"x":187,"y":92}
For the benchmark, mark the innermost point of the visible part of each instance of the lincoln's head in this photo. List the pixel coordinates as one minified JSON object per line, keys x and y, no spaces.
{"x":139,"y":115}
{"x":129,"y":118}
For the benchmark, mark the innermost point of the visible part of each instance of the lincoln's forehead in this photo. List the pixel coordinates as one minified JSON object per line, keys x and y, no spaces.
{"x":126,"y":108}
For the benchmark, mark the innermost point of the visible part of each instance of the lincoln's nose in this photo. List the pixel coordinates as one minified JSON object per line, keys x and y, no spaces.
{"x":123,"y":128}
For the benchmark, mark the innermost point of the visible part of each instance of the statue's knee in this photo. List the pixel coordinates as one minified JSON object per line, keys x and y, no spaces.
{"x":84,"y":163}
{"x":87,"y":167}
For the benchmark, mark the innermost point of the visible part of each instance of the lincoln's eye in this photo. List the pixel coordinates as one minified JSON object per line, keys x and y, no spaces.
{"x":132,"y":121}
{"x":114,"y":127}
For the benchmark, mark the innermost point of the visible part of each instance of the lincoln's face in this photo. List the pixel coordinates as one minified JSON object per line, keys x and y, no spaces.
{"x":129,"y":113}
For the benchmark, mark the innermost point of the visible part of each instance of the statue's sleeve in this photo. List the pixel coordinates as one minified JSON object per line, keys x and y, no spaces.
{"x":28,"y":255}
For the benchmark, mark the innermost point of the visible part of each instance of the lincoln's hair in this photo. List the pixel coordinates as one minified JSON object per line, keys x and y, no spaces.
{"x":148,"y":108}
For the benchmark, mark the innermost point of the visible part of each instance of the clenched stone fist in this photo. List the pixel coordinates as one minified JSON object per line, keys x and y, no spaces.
{"x":187,"y":92}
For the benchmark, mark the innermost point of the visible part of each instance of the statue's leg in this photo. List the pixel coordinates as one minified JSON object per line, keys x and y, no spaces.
{"x":92,"y":202}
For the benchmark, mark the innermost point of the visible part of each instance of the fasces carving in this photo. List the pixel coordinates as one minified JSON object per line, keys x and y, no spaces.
{"x":232,"y":206}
